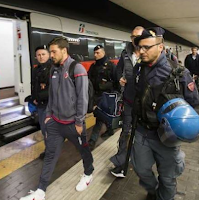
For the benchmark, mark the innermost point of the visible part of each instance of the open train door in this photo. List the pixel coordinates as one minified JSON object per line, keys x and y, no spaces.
{"x":23,"y":68}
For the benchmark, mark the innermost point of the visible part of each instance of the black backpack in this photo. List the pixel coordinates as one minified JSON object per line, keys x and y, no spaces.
{"x":90,"y":87}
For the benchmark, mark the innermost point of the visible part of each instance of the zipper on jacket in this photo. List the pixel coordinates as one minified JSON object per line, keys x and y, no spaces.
{"x":60,"y":75}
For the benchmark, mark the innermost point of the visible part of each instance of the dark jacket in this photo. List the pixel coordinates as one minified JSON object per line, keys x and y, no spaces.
{"x":68,"y":102}
{"x":102,"y":74}
{"x":154,"y":77}
{"x":125,"y":69}
{"x":191,"y":64}
{"x":40,"y":76}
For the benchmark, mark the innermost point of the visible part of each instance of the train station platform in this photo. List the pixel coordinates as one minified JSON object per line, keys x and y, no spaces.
{"x":18,"y":177}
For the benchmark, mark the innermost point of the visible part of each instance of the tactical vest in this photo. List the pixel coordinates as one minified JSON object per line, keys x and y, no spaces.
{"x":153,"y":97}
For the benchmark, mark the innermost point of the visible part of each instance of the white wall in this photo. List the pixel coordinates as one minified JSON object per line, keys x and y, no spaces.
{"x":6,"y":54}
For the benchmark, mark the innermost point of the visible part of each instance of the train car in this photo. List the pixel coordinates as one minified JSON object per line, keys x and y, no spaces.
{"x":21,"y":32}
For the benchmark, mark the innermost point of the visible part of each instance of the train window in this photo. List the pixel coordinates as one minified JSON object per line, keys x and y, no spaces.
{"x":41,"y":37}
{"x":109,"y":48}
{"x":78,"y":48}
{"x":92,"y":42}
{"x":114,"y":48}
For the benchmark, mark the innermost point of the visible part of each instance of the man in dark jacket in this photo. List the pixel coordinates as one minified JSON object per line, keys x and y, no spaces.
{"x":65,"y":116}
{"x":40,"y":84}
{"x":128,"y":60}
{"x":102,"y":76}
{"x":192,"y":63}
{"x":149,"y":79}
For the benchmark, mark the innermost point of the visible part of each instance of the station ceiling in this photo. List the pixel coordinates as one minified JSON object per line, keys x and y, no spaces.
{"x":178,"y":16}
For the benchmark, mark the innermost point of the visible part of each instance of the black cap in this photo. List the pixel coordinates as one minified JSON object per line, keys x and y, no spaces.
{"x":150,"y":32}
{"x":99,"y":46}
{"x":41,"y":47}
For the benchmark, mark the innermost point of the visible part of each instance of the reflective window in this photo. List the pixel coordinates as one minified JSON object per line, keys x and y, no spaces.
{"x":92,"y":43}
{"x":114,"y":48}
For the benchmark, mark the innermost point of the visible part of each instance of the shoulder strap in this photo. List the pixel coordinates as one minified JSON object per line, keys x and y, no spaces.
{"x":71,"y":70}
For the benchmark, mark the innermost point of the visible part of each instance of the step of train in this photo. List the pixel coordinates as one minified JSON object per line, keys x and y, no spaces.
{"x":9,"y":102}
{"x":16,"y":134}
{"x":8,"y":115}
{"x":16,"y":123}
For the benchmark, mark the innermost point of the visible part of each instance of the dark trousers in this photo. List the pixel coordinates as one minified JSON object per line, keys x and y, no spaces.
{"x":96,"y":130}
{"x":119,"y":158}
{"x":56,"y":133}
{"x":169,"y":162}
{"x":42,"y":116}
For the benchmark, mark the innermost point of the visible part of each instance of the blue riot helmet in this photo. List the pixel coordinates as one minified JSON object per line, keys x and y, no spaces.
{"x":31,"y":107}
{"x":178,"y":122}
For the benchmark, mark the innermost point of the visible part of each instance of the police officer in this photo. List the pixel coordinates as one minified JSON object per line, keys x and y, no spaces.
{"x":102,"y":76}
{"x":148,"y":149}
{"x":127,"y":61}
{"x":40,"y":84}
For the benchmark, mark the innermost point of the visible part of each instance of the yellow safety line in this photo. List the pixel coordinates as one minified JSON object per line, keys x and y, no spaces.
{"x":16,"y":161}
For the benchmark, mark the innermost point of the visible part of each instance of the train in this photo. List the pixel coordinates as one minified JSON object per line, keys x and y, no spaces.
{"x":22,"y":30}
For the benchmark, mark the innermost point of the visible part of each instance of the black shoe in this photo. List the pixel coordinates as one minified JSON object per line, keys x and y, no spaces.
{"x":150,"y":196}
{"x":91,"y":144}
{"x":118,"y":172}
{"x":108,"y":133}
{"x":42,"y":155}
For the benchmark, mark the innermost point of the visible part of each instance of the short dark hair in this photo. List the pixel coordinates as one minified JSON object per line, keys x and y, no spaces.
{"x":61,"y":42}
{"x":194,"y":48}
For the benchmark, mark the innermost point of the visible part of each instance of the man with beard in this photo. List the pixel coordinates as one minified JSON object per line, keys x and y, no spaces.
{"x":65,"y":115}
{"x":149,"y":79}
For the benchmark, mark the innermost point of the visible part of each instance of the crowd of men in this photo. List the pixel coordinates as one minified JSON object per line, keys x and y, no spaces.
{"x":141,"y":74}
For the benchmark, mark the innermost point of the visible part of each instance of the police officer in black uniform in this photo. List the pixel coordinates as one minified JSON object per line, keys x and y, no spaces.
{"x":40,"y":84}
{"x":129,"y":58}
{"x":103,"y":77}
{"x":148,"y":149}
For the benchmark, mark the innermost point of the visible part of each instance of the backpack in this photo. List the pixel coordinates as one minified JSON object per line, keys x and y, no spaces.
{"x":90,"y":87}
{"x":111,"y":103}
{"x":172,"y":87}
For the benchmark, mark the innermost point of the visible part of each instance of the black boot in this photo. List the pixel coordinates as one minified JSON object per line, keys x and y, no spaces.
{"x":108,"y":133}
{"x":42,"y":155}
{"x":150,"y":196}
{"x":118,"y":172}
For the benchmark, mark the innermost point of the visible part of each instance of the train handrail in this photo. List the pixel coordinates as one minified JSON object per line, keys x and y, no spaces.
{"x":20,"y":68}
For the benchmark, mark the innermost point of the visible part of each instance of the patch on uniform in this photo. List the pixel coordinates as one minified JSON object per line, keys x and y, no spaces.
{"x":191,"y":86}
{"x":66,"y":75}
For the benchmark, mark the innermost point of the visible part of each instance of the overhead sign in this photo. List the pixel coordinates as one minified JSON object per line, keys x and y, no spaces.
{"x":82,"y":29}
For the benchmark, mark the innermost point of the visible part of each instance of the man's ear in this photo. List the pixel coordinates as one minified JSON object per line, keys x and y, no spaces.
{"x":161,"y":46}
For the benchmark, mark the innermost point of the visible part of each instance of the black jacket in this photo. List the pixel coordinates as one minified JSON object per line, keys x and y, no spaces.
{"x":125,"y":68}
{"x":148,"y":81}
{"x":40,"y":76}
{"x":191,"y":64}
{"x":103,"y":76}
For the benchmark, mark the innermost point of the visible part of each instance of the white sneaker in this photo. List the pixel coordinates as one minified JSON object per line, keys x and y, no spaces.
{"x":84,"y":182}
{"x":37,"y":195}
